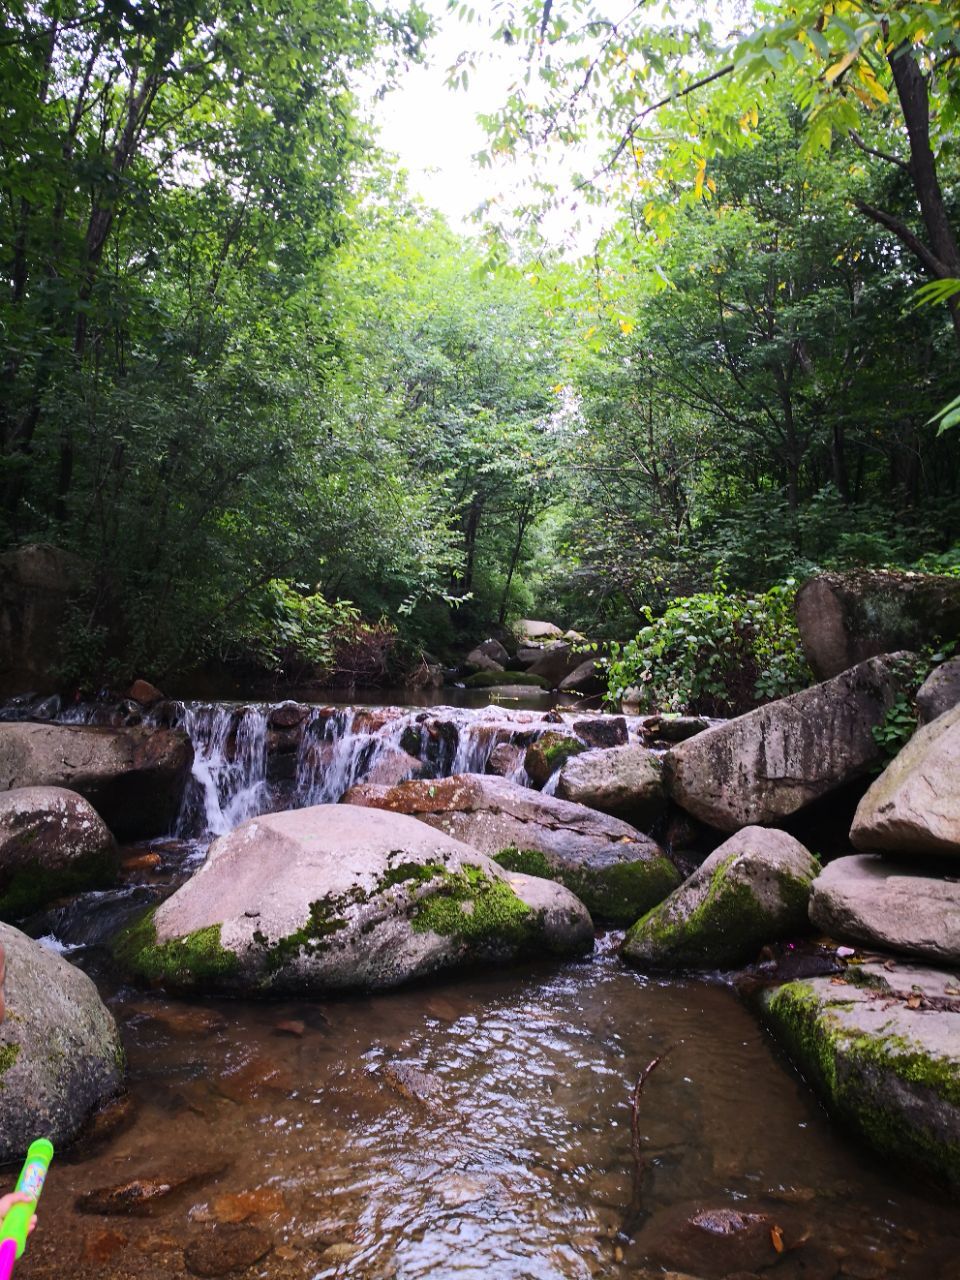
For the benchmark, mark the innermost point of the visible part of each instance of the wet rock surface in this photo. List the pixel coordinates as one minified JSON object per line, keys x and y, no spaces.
{"x":883,"y":1050}
{"x":626,"y":782}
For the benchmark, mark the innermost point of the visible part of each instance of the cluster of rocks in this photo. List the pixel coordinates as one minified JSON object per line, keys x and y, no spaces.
{"x":534,"y":655}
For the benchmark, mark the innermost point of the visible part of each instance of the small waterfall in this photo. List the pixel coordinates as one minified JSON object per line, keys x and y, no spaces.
{"x":229,"y":782}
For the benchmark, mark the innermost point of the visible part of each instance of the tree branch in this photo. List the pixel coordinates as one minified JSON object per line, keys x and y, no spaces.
{"x":906,"y":237}
{"x":872,"y":151}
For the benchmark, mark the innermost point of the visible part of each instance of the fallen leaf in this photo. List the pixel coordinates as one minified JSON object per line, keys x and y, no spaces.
{"x":776,"y":1239}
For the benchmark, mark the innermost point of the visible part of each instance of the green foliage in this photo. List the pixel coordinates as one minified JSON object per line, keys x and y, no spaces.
{"x":902,"y":718}
{"x":713,"y":653}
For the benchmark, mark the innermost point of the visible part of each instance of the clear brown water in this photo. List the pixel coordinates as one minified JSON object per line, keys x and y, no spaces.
{"x":518,"y":1161}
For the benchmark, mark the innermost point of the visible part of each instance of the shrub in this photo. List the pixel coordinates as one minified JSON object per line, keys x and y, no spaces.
{"x":714,"y":653}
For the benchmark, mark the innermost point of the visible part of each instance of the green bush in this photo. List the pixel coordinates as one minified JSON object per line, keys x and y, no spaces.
{"x":714,"y":653}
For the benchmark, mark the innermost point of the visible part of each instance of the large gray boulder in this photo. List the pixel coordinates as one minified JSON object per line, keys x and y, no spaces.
{"x":870,"y":901}
{"x":883,"y":1051}
{"x":555,"y":664}
{"x":37,"y":584}
{"x":940,"y":691}
{"x":845,"y":618}
{"x":489,"y":651}
{"x":774,"y":761}
{"x":530,"y":631}
{"x":614,"y":869}
{"x":134,"y":777}
{"x":914,"y":806}
{"x":337,"y":897}
{"x":60,"y":1054}
{"x":52,"y":843}
{"x":624,"y":781}
{"x":587,"y":677}
{"x":754,"y":889}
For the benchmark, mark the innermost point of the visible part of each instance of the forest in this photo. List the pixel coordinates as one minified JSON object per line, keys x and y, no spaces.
{"x":287,"y":418}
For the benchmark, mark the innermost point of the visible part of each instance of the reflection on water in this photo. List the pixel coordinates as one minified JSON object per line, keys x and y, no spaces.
{"x":481,"y":1128}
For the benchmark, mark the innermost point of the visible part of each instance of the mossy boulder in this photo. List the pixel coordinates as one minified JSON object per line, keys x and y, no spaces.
{"x":549,"y":753}
{"x":914,"y":806}
{"x":336,"y":897}
{"x":624,"y":781}
{"x":614,"y":869}
{"x":494,"y":679}
{"x":754,"y":889}
{"x":60,"y":1053}
{"x":883,"y":1051}
{"x":52,"y":843}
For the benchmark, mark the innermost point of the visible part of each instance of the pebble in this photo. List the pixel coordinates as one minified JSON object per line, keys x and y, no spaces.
{"x":223,"y":1249}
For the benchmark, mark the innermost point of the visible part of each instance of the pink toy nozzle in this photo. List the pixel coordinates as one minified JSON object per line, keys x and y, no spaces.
{"x":8,"y":1256}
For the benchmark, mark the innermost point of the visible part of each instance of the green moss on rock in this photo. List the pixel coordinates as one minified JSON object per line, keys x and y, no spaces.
{"x":191,"y":961}
{"x":8,"y":1056}
{"x":470,"y":905}
{"x":30,"y":888}
{"x":618,"y":893}
{"x":863,"y":1076}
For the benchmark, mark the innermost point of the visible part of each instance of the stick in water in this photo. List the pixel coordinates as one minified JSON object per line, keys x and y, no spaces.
{"x":16,"y":1224}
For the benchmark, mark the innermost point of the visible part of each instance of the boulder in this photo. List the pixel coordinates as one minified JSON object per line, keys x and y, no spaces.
{"x":528,"y":630}
{"x":550,"y":751}
{"x":509,"y":679}
{"x":493,"y":651}
{"x":617,"y":871}
{"x":845,"y":618}
{"x":670,"y":728}
{"x":940,"y":691}
{"x":772,"y":762}
{"x":336,"y":897}
{"x":867,"y":900}
{"x":478,"y":659}
{"x":528,"y":654}
{"x":134,"y":778}
{"x":52,"y":843}
{"x":884,"y":1054}
{"x":505,"y":760}
{"x":602,"y":731}
{"x":555,"y":664}
{"x":625,"y":781}
{"x":753,"y":890}
{"x":60,"y":1054}
{"x":147,"y":694}
{"x":586,"y":678}
{"x":914,"y":806}
{"x":37,"y":584}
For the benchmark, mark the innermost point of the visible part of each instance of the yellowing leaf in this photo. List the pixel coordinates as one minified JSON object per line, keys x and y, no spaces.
{"x":626,"y":326}
{"x":840,"y":67}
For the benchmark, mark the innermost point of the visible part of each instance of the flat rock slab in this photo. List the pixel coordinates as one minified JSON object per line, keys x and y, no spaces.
{"x":883,"y":1051}
{"x":914,"y":806}
{"x":892,"y":905}
{"x":752,"y":890}
{"x":223,"y":1249}
{"x":614,"y":869}
{"x":337,"y":897}
{"x":772,"y":762}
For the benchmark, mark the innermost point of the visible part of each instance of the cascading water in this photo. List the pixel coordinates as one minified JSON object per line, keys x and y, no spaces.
{"x":229,"y":782}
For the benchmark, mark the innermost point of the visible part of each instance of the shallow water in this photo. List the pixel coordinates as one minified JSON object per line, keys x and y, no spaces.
{"x":509,"y":1157}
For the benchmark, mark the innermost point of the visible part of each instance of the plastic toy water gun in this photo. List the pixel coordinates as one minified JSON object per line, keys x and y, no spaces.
{"x":16,"y":1224}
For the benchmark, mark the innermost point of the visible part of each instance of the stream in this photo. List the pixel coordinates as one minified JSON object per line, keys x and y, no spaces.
{"x":476,"y":1126}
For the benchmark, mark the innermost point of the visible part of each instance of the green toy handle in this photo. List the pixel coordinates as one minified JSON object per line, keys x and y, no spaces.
{"x":16,"y":1224}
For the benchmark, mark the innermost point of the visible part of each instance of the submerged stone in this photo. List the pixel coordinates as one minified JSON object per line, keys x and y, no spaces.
{"x":883,"y":1051}
{"x":752,"y":890}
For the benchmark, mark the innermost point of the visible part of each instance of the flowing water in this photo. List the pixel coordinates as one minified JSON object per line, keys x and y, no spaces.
{"x":476,"y":1127}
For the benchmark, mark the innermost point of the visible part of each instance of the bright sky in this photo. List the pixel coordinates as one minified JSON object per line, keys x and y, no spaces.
{"x":434,"y":131}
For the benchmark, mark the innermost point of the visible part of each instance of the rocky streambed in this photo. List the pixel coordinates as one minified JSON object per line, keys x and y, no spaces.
{"x":524,"y":1104}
